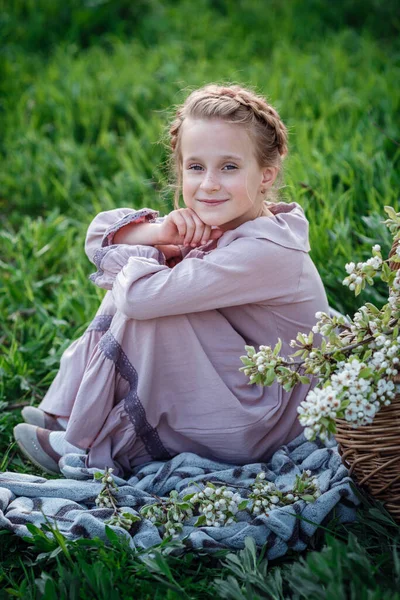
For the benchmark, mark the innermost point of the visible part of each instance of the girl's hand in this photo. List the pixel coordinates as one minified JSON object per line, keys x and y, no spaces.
{"x":184,"y":227}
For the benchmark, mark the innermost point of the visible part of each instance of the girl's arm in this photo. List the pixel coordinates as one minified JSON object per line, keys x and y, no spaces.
{"x":247,"y":271}
{"x":122,"y":222}
{"x":134,"y":233}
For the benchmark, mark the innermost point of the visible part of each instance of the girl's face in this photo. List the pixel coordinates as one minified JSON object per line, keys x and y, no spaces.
{"x":219,"y":163}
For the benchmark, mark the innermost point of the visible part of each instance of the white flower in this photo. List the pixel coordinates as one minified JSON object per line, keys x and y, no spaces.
{"x":370,"y":410}
{"x":376,"y":248}
{"x":308,"y":433}
{"x":380,"y":340}
{"x":349,"y":268}
{"x":374,"y":262}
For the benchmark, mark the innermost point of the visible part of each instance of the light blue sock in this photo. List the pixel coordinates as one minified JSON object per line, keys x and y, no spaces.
{"x":61,"y":446}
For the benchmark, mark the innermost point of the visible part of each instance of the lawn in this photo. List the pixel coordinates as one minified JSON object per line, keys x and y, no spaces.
{"x":87,"y":89}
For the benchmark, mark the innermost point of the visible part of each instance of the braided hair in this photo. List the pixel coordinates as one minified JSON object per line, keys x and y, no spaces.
{"x":233,"y":104}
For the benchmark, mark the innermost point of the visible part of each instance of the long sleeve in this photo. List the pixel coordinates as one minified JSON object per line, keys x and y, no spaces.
{"x":110,"y":260}
{"x":105,"y":225}
{"x":249,"y":270}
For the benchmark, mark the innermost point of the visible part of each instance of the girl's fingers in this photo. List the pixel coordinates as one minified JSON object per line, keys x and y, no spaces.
{"x":206,"y":235}
{"x":180,"y":223}
{"x":191,"y":226}
{"x":199,"y":231}
{"x":191,"y":229}
{"x":216,"y":234}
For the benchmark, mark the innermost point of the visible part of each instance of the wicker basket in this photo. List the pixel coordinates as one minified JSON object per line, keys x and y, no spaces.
{"x":372,"y":453}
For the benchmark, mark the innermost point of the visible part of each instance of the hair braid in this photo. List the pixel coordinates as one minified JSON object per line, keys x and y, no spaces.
{"x":264,"y":112}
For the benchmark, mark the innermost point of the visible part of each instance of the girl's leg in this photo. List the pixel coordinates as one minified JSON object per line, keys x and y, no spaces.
{"x":57,"y":404}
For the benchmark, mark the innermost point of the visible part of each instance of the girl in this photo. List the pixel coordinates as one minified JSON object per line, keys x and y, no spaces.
{"x":157,"y":371}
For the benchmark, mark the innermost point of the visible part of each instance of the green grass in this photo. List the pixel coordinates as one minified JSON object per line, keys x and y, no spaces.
{"x":86,"y":93}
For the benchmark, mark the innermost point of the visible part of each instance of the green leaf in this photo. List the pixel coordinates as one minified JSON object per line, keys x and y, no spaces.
{"x":112,"y":536}
{"x":188,"y":496}
{"x":372,"y":308}
{"x":250,"y":350}
{"x":389,"y":210}
{"x":332,"y":427}
{"x":308,"y":498}
{"x":269,"y":377}
{"x":201,"y":521}
{"x":304,"y":379}
{"x":243,"y":505}
{"x":246,"y":361}
{"x":34,"y":530}
{"x":297,"y":353}
{"x":131,"y":517}
{"x":300,"y":337}
{"x":365,"y":373}
{"x":277,"y":347}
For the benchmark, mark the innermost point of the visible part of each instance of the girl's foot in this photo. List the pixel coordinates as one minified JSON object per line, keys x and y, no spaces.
{"x":35,"y":444}
{"x":36,"y":416}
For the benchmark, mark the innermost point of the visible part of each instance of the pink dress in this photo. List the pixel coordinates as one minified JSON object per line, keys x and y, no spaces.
{"x":157,"y":371}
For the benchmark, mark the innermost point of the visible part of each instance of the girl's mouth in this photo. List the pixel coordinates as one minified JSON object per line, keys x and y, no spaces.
{"x":213,"y":202}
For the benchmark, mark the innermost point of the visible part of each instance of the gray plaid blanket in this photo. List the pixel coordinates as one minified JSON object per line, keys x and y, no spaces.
{"x":70,"y":502}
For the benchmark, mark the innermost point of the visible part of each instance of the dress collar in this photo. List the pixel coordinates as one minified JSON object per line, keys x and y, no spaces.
{"x":287,"y":227}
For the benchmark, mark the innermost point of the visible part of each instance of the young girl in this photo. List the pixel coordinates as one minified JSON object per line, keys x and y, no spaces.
{"x":157,"y":371}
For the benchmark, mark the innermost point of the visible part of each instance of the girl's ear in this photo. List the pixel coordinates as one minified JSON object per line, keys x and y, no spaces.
{"x":269,"y":175}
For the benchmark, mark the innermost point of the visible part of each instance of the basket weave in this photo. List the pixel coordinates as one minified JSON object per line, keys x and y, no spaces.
{"x":372,"y":452}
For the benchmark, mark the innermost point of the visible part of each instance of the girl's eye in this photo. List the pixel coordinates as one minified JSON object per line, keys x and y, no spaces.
{"x":197,"y":167}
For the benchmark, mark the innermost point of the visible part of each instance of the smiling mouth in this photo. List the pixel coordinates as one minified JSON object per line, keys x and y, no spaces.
{"x":213,"y":201}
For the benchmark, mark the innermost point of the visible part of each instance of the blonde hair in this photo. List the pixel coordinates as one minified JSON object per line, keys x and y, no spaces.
{"x":234,"y":104}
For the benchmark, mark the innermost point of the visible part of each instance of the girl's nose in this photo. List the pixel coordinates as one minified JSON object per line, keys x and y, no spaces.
{"x":210,"y":183}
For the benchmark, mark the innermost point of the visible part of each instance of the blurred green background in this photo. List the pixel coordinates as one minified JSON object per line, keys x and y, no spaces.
{"x":87,"y":91}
